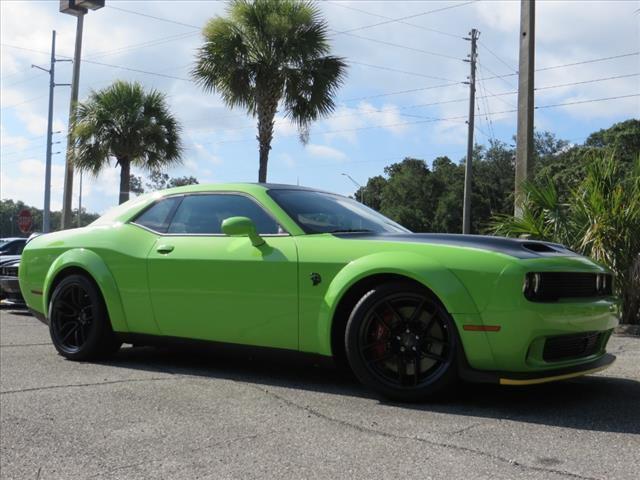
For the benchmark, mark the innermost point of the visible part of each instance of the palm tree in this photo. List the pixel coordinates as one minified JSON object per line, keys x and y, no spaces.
{"x":266,"y":53}
{"x":125,"y":122}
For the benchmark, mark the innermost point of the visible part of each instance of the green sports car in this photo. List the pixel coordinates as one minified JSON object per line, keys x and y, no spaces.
{"x":295,"y":268}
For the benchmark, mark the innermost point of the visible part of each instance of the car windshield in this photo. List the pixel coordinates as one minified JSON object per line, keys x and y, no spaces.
{"x":319,"y":212}
{"x":3,"y":243}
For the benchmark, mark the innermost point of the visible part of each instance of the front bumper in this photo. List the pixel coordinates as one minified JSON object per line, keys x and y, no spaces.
{"x":532,"y":378}
{"x":10,"y":290}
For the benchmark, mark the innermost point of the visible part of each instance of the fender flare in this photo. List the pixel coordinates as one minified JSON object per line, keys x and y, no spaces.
{"x":94,"y":266}
{"x":422,"y":269}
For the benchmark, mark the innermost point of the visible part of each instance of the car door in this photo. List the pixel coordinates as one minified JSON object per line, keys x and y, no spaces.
{"x":206,"y":285}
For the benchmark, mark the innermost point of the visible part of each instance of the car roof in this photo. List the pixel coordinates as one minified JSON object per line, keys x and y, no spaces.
{"x":12,"y":239}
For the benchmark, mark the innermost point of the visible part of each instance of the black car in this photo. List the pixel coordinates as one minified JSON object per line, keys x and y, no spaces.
{"x":9,"y":286}
{"x":12,"y":246}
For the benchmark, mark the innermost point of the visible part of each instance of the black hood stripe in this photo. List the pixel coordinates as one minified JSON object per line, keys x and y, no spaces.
{"x":514,"y":247}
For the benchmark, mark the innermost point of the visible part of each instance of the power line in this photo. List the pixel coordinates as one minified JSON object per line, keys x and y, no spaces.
{"x":400,"y":92}
{"x":445,"y":119}
{"x":583,"y":62}
{"x":401,"y":19}
{"x":421,"y":27}
{"x":136,"y":46}
{"x":23,"y":102}
{"x":589,"y":81}
{"x":136,"y":70}
{"x":390,"y":69}
{"x":579,"y":102}
{"x":405,"y":47}
{"x":495,"y":75}
{"x":594,"y":60}
{"x":498,"y":57}
{"x":37,"y":75}
{"x":154,"y":17}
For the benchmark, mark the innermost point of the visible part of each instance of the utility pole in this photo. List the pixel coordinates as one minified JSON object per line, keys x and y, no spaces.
{"x":524,"y":138}
{"x":46,"y":214}
{"x":68,"y":170}
{"x":466,"y":208}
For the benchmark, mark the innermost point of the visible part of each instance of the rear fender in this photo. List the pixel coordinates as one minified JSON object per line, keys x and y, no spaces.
{"x":91,"y":263}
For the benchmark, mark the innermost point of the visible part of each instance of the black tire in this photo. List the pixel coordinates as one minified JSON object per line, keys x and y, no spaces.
{"x":78,"y":321}
{"x":402,"y":343}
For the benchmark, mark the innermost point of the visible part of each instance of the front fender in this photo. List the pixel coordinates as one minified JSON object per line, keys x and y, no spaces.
{"x":90,"y":262}
{"x":423,"y":269}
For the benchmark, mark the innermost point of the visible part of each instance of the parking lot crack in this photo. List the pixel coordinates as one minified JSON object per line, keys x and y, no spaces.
{"x":460,"y":448}
{"x":78,"y":385}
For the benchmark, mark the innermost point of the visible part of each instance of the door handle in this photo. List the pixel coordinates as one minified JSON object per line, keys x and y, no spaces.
{"x":164,"y":249}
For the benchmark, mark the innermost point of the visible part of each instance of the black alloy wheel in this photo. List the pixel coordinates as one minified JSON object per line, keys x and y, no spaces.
{"x":78,"y":322}
{"x":401,"y":342}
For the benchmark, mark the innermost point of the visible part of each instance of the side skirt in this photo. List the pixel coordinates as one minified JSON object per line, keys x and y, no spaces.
{"x":143,"y":339}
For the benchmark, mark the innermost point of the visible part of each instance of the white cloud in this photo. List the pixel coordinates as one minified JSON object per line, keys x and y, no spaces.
{"x":325,"y":151}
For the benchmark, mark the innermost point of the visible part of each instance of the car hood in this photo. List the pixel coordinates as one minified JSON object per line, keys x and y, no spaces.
{"x":515,"y":247}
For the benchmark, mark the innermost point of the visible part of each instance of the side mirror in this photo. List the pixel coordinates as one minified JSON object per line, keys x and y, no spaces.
{"x":242,"y":227}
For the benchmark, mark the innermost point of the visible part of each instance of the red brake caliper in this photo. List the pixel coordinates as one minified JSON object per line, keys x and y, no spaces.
{"x":381,"y":333}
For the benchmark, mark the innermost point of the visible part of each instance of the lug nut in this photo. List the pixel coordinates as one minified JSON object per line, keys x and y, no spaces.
{"x":402,"y":349}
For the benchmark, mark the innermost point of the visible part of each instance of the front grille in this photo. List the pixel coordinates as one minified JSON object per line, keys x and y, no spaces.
{"x":566,"y":347}
{"x":552,"y":286}
{"x":9,"y":271}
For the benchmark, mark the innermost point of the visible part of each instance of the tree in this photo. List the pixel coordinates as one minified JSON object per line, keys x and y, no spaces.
{"x":268,"y":52}
{"x":408,"y":195}
{"x":371,"y":193}
{"x":161,"y":181}
{"x":125,"y":122}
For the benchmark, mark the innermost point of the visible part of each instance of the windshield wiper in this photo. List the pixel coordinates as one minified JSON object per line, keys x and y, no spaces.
{"x":351,"y":230}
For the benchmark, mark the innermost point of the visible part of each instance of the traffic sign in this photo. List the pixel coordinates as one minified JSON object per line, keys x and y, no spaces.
{"x":25,"y":220}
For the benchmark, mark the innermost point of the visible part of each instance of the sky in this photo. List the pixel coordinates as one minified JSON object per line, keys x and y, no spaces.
{"x":404,"y":95}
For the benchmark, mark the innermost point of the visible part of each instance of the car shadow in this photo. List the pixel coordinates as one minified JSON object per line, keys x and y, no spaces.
{"x":596,"y":403}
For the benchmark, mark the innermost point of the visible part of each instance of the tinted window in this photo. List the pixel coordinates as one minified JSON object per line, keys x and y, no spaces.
{"x":319,"y":212}
{"x":157,"y":217}
{"x":14,"y":247}
{"x":204,"y":214}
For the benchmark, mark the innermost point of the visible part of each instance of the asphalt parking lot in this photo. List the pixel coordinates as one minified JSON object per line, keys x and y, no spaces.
{"x":174,"y":413}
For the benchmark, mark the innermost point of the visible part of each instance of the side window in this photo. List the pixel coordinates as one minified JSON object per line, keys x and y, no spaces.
{"x":157,"y":217}
{"x":19,"y":246}
{"x":203,"y":214}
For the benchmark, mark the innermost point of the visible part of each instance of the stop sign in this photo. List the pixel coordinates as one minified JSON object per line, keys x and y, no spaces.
{"x":24,"y":221}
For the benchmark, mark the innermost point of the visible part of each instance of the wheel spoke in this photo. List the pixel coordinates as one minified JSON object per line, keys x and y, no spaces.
{"x":381,"y":319}
{"x":433,"y":356}
{"x":373,"y":344}
{"x":416,"y":312}
{"x":74,"y":329}
{"x":416,"y":369}
{"x":395,"y":312}
{"x":402,"y":368}
{"x":383,"y":358}
{"x":65,"y":308}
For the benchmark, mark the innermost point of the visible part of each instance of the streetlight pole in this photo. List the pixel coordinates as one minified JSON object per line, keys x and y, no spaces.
{"x":77,"y":8}
{"x":357,"y":185}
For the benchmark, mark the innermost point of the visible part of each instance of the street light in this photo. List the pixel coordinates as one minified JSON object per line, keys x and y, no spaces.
{"x":77,"y":8}
{"x":357,"y":185}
